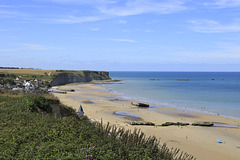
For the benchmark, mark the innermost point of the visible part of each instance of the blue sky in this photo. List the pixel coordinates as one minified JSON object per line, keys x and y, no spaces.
{"x":121,"y":35}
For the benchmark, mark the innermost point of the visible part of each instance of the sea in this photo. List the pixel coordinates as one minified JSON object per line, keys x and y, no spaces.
{"x":205,"y":92}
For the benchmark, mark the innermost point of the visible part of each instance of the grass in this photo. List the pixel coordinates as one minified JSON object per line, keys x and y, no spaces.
{"x":30,"y":130}
{"x":26,"y":71}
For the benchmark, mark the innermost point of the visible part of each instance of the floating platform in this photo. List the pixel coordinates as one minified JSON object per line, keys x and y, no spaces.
{"x":182,"y":79}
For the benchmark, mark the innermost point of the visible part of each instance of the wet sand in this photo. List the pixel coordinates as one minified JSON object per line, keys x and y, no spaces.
{"x":201,"y":142}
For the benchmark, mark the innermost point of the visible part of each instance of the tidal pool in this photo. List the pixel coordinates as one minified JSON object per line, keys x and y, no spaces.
{"x":126,"y":113}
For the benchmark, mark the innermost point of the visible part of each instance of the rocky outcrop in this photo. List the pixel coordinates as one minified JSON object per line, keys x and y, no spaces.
{"x":78,"y":77}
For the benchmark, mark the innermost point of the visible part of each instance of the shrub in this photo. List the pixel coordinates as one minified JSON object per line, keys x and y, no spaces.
{"x":26,"y":134}
{"x":36,"y":103}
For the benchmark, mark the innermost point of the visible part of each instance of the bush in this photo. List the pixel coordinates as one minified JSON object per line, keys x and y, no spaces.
{"x":8,"y":81}
{"x":36,"y":103}
{"x":26,"y":134}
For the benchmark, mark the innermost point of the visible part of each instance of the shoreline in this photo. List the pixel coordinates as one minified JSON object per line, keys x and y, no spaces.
{"x":154,"y":105}
{"x":100,"y":103}
{"x":185,"y":109}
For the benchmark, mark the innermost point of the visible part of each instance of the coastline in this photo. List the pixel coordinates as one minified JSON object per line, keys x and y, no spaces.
{"x":99,"y":103}
{"x":185,"y":109}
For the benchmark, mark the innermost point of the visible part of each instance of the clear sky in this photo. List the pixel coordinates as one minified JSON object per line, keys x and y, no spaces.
{"x":121,"y":35}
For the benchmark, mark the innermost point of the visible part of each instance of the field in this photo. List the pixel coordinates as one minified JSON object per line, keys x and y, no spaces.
{"x":26,"y":71}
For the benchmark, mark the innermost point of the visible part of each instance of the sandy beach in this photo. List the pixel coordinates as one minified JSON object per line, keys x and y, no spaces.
{"x":201,"y":142}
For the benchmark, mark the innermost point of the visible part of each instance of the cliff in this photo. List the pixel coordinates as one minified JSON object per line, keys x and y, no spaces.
{"x":64,"y":77}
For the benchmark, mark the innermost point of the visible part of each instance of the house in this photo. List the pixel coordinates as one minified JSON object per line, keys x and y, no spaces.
{"x":17,"y":89}
{"x":19,"y":79}
{"x":37,"y":80}
{"x":18,"y":82}
{"x":14,"y":86}
{"x":7,"y":85}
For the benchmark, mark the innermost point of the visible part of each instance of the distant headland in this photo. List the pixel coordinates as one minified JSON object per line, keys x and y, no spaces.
{"x":19,"y":78}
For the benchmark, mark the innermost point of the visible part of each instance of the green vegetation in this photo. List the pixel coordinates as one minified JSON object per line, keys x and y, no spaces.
{"x":7,"y":80}
{"x":29,"y":129}
{"x":26,"y":71}
{"x":72,"y":73}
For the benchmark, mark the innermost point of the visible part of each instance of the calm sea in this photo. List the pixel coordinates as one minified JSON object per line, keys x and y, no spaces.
{"x":211,"y":92}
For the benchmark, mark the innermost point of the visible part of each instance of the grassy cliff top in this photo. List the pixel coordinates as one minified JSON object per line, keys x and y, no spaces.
{"x":26,"y":71}
{"x":45,"y":74}
{"x":39,"y":71}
